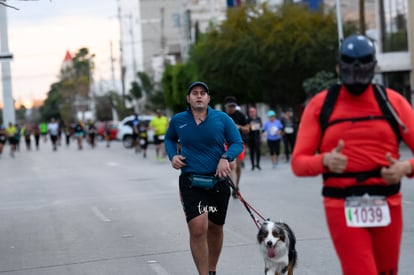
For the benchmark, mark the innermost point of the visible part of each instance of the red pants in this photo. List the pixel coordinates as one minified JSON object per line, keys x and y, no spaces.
{"x":366,"y":251}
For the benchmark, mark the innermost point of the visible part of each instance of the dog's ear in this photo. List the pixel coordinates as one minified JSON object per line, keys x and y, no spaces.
{"x":261,"y":235}
{"x":279,"y":232}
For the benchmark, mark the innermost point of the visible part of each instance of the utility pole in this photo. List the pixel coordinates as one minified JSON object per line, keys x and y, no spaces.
{"x":5,"y":57}
{"x":92,"y":95}
{"x":112,"y":66}
{"x":114,"y":113}
{"x":121,"y":59}
{"x":362,"y":16}
{"x":163,"y":39}
{"x":183,"y":26}
{"x":131,"y":33}
{"x":339,"y":22}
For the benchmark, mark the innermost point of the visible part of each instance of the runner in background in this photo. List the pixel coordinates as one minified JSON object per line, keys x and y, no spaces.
{"x":160,"y":125}
{"x":242,"y":124}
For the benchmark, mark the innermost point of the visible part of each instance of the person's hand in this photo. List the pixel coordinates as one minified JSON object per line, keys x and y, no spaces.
{"x":335,"y":161}
{"x":178,"y":162}
{"x":223,"y":168}
{"x":396,"y":170}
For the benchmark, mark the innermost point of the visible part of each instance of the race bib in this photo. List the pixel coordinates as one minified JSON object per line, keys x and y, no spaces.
{"x":273,"y":131}
{"x":288,"y":130}
{"x":161,"y":137}
{"x":367,"y":211}
{"x":142,"y":141}
{"x":254,"y":126}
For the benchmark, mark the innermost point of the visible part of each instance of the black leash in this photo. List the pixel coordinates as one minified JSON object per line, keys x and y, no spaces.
{"x":248,"y":207}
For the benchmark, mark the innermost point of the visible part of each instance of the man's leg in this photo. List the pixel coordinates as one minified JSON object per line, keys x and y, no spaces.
{"x":286,"y":144}
{"x":215,"y":244}
{"x":252,"y":154}
{"x":198,"y":227}
{"x":258,"y":153}
{"x":157,"y":151}
{"x":238,"y":171}
{"x":163,"y":151}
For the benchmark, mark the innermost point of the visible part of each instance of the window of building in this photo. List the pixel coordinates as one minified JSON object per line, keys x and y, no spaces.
{"x":400,"y":82}
{"x":393,"y":24}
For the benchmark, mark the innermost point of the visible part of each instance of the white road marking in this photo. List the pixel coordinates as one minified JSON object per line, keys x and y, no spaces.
{"x":99,"y":214}
{"x":157,"y":268}
{"x":111,"y":163}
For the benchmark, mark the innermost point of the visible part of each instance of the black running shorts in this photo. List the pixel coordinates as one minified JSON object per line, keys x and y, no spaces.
{"x":196,"y":201}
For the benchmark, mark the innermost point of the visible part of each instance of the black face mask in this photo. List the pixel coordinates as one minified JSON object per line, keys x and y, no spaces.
{"x":356,"y":74}
{"x":356,"y":89}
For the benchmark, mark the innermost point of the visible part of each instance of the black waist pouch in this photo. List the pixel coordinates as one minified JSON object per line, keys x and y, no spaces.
{"x":202,"y":181}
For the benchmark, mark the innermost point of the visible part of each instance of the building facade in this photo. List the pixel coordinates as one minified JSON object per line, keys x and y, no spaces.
{"x":393,"y":35}
{"x":157,"y":31}
{"x":390,"y":24}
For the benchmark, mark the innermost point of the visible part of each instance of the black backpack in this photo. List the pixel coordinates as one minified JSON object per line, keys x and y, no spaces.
{"x":382,"y":100}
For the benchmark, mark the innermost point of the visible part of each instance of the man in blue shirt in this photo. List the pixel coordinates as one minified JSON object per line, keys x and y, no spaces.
{"x":195,"y":143}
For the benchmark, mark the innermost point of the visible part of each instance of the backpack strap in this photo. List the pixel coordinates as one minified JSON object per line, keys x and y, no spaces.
{"x":381,"y":98}
{"x":328,"y":106}
{"x":385,"y":109}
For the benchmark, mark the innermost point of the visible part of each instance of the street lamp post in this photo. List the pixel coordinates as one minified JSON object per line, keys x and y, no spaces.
{"x":339,"y":21}
{"x":5,"y":57}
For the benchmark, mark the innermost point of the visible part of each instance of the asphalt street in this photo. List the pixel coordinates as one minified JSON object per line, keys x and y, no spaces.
{"x":110,"y":211}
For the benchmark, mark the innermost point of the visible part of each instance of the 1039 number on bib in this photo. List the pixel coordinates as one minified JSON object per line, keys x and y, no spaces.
{"x":367,"y":211}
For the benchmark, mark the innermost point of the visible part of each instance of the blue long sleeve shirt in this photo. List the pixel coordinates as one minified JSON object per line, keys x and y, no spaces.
{"x":203,"y":145}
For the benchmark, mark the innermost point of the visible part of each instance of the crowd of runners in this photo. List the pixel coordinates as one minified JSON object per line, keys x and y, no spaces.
{"x":30,"y":136}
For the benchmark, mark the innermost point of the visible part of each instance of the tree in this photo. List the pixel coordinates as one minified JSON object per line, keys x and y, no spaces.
{"x":21,"y":113}
{"x":321,"y":81}
{"x":261,"y":55}
{"x":175,"y":81}
{"x":51,"y":105}
{"x":103,"y":108}
{"x":71,"y":93}
{"x":117,"y":102}
{"x":145,"y":86}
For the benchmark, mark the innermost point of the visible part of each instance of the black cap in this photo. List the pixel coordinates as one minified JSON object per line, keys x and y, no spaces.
{"x":197,"y":83}
{"x":230,"y":101}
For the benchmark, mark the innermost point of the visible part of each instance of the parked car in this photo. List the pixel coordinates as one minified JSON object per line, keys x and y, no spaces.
{"x":125,"y":130}
{"x":113,"y":130}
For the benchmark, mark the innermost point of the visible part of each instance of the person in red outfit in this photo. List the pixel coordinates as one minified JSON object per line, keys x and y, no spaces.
{"x":358,"y":156}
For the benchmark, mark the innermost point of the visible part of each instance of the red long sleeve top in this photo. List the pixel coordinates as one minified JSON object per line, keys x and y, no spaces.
{"x":366,"y":142}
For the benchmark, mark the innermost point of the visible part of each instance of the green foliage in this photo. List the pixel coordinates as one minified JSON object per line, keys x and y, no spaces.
{"x":321,"y":81}
{"x":51,"y":105}
{"x":135,"y":91}
{"x":155,"y":98}
{"x":73,"y":86}
{"x":119,"y":106}
{"x":175,"y":82}
{"x":146,"y":82}
{"x":21,"y":114}
{"x":104,"y":108}
{"x":261,"y":55}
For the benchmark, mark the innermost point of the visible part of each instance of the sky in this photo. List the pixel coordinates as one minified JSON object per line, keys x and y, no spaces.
{"x":40,"y":33}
